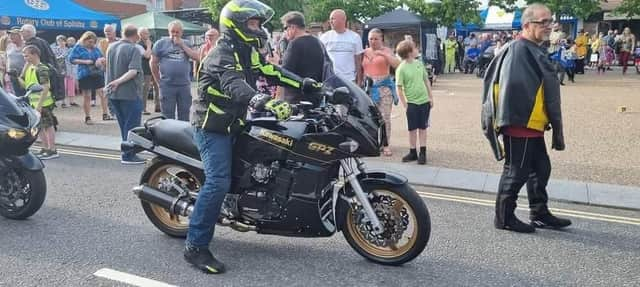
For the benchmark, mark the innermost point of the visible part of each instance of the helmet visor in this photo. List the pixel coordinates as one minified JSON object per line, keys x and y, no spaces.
{"x":244,"y":10}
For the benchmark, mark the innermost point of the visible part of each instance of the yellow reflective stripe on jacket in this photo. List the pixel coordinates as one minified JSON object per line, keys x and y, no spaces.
{"x":269,"y":70}
{"x":238,"y":66}
{"x":496,"y":92}
{"x":214,"y":92}
{"x":538,"y":120}
{"x":215,"y":109}
{"x":212,"y":108}
{"x":31,"y":78}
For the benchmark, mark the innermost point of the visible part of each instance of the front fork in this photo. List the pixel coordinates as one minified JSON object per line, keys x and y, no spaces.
{"x":351,"y":176}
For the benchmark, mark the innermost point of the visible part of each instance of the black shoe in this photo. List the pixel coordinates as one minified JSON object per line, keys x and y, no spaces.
{"x":202,"y":259}
{"x":550,"y":221}
{"x":561,"y":83}
{"x":515,"y":225}
{"x":422,"y":158}
{"x":410,"y":157}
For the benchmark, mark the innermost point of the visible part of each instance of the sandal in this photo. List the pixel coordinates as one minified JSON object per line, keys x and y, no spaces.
{"x":88,"y":121}
{"x":106,"y":117}
{"x":387,"y":151}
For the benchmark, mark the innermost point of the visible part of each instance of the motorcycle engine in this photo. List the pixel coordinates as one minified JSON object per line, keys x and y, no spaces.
{"x":268,"y":192}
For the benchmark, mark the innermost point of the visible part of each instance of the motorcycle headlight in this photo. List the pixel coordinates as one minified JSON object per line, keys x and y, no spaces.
{"x":34,"y":132}
{"x":16,"y":134}
{"x":349,"y":146}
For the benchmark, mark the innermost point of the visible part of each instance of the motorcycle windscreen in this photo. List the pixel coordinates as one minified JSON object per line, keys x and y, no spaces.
{"x":9,"y":105}
{"x":16,"y":113}
{"x":362,"y":108}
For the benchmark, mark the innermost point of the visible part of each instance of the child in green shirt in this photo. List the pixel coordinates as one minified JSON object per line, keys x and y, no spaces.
{"x":414,"y":91}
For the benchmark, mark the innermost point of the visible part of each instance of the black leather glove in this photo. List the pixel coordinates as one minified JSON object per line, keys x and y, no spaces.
{"x":557,"y":139}
{"x":259,"y":101}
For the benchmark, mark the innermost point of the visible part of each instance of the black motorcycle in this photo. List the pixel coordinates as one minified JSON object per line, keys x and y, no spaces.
{"x":22,"y":184}
{"x":483,"y":63}
{"x":301,"y":177}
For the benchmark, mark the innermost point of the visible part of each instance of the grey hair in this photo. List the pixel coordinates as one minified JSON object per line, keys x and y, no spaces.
{"x":293,"y":18}
{"x":175,"y":23}
{"x":29,"y":27}
{"x":529,"y":12}
{"x":107,"y":26}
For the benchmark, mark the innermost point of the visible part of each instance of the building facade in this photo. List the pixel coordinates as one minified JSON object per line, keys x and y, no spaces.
{"x":128,"y":8}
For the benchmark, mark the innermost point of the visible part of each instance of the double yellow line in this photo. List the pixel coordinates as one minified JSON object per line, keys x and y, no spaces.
{"x":84,"y":153}
{"x":431,"y":195}
{"x":558,"y":211}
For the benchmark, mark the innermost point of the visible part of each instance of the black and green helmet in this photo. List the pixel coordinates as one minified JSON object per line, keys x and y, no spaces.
{"x":234,"y":17}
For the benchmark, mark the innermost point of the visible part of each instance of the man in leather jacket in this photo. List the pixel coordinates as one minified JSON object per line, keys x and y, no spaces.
{"x":521,"y":100}
{"x":226,"y":88}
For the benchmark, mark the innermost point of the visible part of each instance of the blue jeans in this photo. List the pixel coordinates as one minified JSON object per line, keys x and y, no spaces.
{"x":129,"y":115}
{"x":215,"y":152}
{"x":172,"y":97}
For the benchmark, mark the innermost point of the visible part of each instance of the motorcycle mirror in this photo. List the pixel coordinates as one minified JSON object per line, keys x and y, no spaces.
{"x":341,"y":95}
{"x":35,"y":88}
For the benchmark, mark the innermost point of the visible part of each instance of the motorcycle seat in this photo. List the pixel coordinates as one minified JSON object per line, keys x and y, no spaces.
{"x":175,"y":135}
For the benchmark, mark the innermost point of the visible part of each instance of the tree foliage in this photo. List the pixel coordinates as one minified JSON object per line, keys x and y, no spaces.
{"x":581,"y":9}
{"x":447,"y":12}
{"x":280,"y":8}
{"x":628,"y":8}
{"x":319,"y":10}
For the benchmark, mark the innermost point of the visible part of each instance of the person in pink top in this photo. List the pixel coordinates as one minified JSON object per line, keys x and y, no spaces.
{"x":210,"y":40}
{"x":377,"y":63}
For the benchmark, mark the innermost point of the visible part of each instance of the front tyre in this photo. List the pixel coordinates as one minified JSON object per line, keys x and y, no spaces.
{"x":22,"y":193}
{"x":406,"y":221}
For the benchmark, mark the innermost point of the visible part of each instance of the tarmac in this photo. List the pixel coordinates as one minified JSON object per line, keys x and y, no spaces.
{"x":590,"y":193}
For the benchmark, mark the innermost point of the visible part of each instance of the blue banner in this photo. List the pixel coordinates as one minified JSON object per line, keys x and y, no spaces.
{"x":52,"y":15}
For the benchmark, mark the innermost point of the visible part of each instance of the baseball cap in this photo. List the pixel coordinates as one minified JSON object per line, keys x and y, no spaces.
{"x":14,"y":29}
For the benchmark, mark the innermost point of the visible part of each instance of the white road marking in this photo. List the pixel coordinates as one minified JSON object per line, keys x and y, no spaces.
{"x":129,"y":278}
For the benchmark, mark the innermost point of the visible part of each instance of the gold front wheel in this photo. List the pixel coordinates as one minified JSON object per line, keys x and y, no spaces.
{"x":405,"y":219}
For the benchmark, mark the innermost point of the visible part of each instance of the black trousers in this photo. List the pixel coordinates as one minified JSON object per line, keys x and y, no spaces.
{"x":18,"y":90}
{"x":526,"y":161}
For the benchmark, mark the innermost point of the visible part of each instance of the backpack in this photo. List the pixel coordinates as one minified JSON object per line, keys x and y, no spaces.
{"x":56,"y":83}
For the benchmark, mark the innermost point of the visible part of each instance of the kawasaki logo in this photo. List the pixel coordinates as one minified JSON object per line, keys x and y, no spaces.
{"x":276,"y":138}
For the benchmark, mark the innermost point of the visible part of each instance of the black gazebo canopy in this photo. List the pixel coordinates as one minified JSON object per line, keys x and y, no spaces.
{"x":398,"y":20}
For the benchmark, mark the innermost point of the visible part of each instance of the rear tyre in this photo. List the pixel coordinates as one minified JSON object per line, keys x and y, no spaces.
{"x":160,"y":174}
{"x":406,"y":222}
{"x":22,"y":193}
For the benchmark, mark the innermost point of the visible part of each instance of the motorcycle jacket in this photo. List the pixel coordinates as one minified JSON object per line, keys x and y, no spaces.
{"x":521,"y":89}
{"x":227,"y":82}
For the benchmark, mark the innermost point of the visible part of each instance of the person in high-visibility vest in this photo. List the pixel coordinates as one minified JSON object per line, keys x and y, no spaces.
{"x":36,"y":72}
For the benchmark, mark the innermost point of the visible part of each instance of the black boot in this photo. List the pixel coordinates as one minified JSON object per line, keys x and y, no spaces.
{"x":411,"y":156}
{"x":514,"y":224}
{"x":202,"y":259}
{"x":422,"y":157}
{"x":505,"y":217}
{"x":549,"y":221}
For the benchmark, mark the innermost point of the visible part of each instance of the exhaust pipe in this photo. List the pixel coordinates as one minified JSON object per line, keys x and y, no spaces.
{"x":174,"y":205}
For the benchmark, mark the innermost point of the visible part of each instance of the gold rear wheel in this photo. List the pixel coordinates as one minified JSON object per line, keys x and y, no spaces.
{"x":162,"y":176}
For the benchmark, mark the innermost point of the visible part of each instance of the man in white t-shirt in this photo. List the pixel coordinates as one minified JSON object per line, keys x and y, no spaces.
{"x":344,"y":47}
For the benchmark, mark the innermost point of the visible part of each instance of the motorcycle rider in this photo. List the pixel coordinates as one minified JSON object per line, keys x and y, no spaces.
{"x":226,"y":87}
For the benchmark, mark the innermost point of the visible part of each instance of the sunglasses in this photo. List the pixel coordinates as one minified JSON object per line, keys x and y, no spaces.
{"x":543,"y":22}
